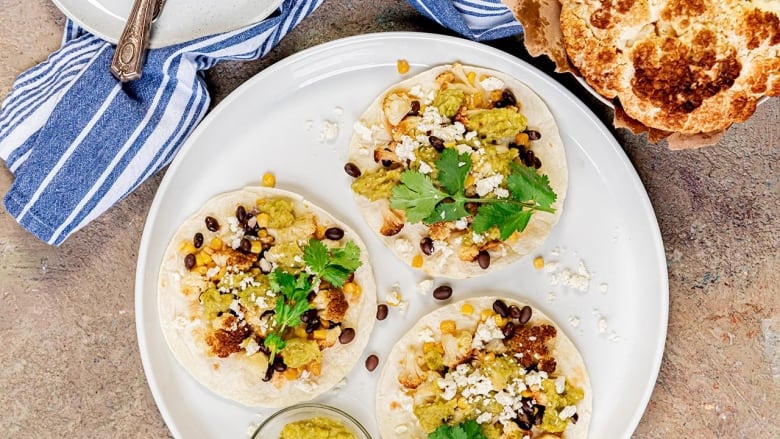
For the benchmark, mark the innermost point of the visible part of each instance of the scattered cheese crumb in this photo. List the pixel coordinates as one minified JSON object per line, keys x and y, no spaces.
{"x":491,"y":83}
{"x":330,"y":130}
{"x":338,"y":111}
{"x":603,"y":288}
{"x":425,"y":168}
{"x":425,"y":287}
{"x":574,"y":321}
{"x":567,"y":412}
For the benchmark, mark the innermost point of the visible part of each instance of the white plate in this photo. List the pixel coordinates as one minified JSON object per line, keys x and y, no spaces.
{"x":607,"y":222}
{"x":180,"y":20}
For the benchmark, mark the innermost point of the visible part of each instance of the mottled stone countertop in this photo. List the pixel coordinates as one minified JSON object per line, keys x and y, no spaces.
{"x":70,"y":367}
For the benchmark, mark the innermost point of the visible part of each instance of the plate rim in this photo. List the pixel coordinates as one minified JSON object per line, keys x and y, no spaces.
{"x":617,"y":151}
{"x":155,"y":40}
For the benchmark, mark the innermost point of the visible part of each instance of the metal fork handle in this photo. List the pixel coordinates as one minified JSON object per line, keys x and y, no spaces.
{"x":130,"y":52}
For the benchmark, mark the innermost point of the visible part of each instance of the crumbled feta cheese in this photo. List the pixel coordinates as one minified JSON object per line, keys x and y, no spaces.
{"x":486,"y":332}
{"x":265,"y":265}
{"x":449,"y":388}
{"x":426,"y":336}
{"x":574,"y":321}
{"x":363,"y":131}
{"x":492,"y":83}
{"x":567,"y":412}
{"x":560,"y":384}
{"x":235,"y":306}
{"x":251,"y":347}
{"x":486,"y":185}
{"x":394,"y":296}
{"x":445,"y":249}
{"x":425,"y":168}
{"x":305,"y":382}
{"x":338,"y":111}
{"x":477,"y":238}
{"x":501,"y":192}
{"x":329,"y":131}
{"x":426,"y":96}
{"x":484,"y":418}
{"x":464,"y":149}
{"x":213,"y":271}
{"x":603,"y":288}
{"x":404,"y":248}
{"x":461,"y":224}
{"x":405,"y":149}
{"x":470,"y":135}
{"x":425,"y":287}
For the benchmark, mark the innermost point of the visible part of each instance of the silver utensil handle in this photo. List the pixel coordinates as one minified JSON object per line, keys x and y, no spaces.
{"x":130,"y":52}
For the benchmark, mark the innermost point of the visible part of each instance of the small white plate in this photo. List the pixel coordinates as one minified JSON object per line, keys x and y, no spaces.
{"x":273,"y":123}
{"x":180,"y":20}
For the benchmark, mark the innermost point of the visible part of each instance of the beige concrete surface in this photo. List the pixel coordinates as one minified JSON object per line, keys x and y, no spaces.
{"x":69,"y":363}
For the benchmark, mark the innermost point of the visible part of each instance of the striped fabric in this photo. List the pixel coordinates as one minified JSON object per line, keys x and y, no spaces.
{"x":479,"y":20}
{"x":78,"y":141}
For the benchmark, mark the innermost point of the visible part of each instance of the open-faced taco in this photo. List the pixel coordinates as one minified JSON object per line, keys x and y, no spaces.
{"x":491,"y":367}
{"x":459,"y":169}
{"x":265,"y":298}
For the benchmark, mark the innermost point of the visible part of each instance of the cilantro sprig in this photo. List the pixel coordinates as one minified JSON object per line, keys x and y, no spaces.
{"x":333,"y":265}
{"x":444,"y":200}
{"x":465,"y":430}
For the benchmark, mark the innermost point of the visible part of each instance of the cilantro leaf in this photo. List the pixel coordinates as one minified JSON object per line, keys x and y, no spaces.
{"x":453,"y":169}
{"x":315,"y":255}
{"x":465,"y":430}
{"x":335,"y":275}
{"x":274,"y":342}
{"x":525,"y":184}
{"x":347,"y":257}
{"x":507,"y":217}
{"x":416,"y":195}
{"x":282,"y":282}
{"x":447,"y":212}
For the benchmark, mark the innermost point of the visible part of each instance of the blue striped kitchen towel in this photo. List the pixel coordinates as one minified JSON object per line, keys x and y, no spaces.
{"x":479,"y":20}
{"x":78,"y":141}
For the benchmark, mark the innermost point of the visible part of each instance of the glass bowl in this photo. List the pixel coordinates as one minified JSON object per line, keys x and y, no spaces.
{"x":272,"y":427}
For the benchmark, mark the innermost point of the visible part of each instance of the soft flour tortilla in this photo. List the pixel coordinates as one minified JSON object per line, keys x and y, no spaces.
{"x":235,"y":377}
{"x":394,"y":407}
{"x":549,"y":149}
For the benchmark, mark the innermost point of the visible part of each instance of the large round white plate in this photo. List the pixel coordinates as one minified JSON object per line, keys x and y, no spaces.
{"x":607,"y":222}
{"x":180,"y":20}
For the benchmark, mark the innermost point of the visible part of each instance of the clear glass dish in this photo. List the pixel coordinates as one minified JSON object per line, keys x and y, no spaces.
{"x":272,"y":427}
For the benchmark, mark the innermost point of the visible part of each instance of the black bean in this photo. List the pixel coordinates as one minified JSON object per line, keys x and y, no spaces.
{"x":269,"y":373}
{"x":537,"y":163}
{"x":533,"y":134}
{"x":212,"y":223}
{"x":189,"y":261}
{"x":312,"y":326}
{"x":437,"y":143}
{"x":334,"y":233}
{"x":352,"y":170}
{"x":507,"y":99}
{"x":523,"y":421}
{"x":351,"y":277}
{"x":372,"y":362}
{"x":442,"y":292}
{"x":500,"y":308}
{"x":263,"y":348}
{"x":197,"y":240}
{"x":508,"y":330}
{"x":246,"y":245}
{"x":538,"y":414}
{"x":241,"y":214}
{"x":279,"y":366}
{"x":426,"y":245}
{"x":514,"y":312}
{"x":381,"y":311}
{"x":309,"y":315}
{"x":347,"y":335}
{"x":525,"y":315}
{"x":483,"y":259}
{"x":415,"y":109}
{"x":268,"y":312}
{"x":386,"y":163}
{"x":574,"y":418}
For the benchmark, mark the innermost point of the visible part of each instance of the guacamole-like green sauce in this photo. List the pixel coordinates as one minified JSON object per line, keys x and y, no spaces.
{"x":288,"y":255}
{"x":316,"y":428}
{"x":376,"y":185}
{"x":279,"y":210}
{"x":448,"y":101}
{"x":497,"y":124}
{"x":215,"y":303}
{"x":299,"y":352}
{"x":555,"y":402}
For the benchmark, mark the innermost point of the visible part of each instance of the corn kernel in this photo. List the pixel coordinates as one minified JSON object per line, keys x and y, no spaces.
{"x":485,"y":314}
{"x":469,"y":180}
{"x":526,"y":394}
{"x":489,"y":357}
{"x":269,"y":179}
{"x":538,"y":262}
{"x":522,"y":139}
{"x":187,"y":248}
{"x":447,"y":326}
{"x":291,"y":373}
{"x":495,"y":95}
{"x":352,"y":288}
{"x":500,"y":321}
{"x":463,"y":403}
{"x":430,"y":346}
{"x":202,"y":270}
{"x":207,"y":250}
{"x":466,"y":309}
{"x":319,"y":334}
{"x":263,"y":219}
{"x":471,"y":76}
{"x":216,"y":243}
{"x":325,"y":323}
{"x":319,"y":232}
{"x":205,"y":256}
{"x":417,"y":261}
{"x":403,"y":66}
{"x":300,"y":332}
{"x":257,"y":247}
{"x":315,"y":368}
